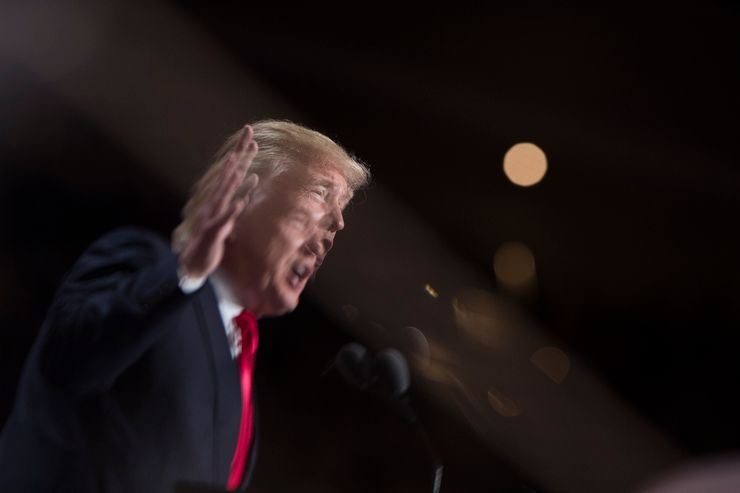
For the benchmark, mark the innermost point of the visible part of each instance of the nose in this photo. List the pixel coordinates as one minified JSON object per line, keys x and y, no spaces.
{"x":337,"y":219}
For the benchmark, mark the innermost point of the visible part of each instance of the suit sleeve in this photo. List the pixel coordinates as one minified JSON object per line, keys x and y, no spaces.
{"x":112,"y":306}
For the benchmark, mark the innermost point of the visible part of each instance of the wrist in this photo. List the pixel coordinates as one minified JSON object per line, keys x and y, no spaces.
{"x":188,"y":283}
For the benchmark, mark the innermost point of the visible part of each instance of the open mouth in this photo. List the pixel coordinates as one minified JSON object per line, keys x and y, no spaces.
{"x":299,"y":273}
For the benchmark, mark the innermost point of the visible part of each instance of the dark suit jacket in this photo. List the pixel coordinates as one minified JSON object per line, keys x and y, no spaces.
{"x":130,"y":386}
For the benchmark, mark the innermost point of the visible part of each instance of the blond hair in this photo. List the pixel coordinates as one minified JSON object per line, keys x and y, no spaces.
{"x":281,"y":144}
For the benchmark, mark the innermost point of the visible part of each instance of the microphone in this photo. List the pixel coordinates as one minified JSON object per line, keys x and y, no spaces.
{"x":392,"y":373}
{"x":386,"y":374}
{"x":355,"y":365}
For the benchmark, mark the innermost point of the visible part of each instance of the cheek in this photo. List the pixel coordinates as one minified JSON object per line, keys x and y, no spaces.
{"x":288,"y":240}
{"x":302,"y":224}
{"x":292,"y":238}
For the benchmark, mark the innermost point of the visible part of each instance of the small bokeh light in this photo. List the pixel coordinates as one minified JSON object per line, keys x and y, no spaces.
{"x":435,"y":367}
{"x":553,"y":362}
{"x":481,"y":316}
{"x":525,"y":164}
{"x":431,"y":291}
{"x":502,"y":404}
{"x":514,"y":266}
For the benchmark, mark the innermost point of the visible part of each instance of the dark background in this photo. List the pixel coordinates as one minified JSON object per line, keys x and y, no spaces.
{"x":633,"y":228}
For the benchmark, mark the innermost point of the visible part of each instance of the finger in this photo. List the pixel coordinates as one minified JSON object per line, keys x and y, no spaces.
{"x":249,"y":155}
{"x":214,"y":195}
{"x":245,"y":139}
{"x":229,"y":180}
{"x":230,"y":167}
{"x":231,"y":175}
{"x":236,"y":154}
{"x":229,"y":190}
{"x":239,"y":160}
{"x":242,"y":162}
{"x":245,"y":150}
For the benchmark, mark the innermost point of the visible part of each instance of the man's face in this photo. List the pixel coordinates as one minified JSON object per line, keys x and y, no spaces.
{"x":283,"y":235}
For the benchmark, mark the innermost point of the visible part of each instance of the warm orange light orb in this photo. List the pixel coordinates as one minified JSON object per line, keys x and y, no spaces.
{"x":514,"y":266}
{"x":525,"y":164}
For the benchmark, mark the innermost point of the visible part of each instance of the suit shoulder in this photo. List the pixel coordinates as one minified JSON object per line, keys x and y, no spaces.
{"x":122,"y":251}
{"x":131,"y":237}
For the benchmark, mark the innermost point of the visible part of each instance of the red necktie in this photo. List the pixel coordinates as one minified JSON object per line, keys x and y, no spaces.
{"x":247,"y":324}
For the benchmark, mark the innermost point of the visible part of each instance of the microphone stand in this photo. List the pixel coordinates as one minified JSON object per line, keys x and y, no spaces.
{"x":387,"y":375}
{"x":438,"y":467}
{"x":409,"y":415}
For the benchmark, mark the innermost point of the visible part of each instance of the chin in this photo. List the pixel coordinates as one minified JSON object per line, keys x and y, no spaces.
{"x":282,"y":306}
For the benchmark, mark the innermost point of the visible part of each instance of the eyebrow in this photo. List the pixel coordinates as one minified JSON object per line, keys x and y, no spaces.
{"x":331,"y":184}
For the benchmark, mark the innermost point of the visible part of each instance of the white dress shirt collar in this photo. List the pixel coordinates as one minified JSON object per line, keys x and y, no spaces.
{"x":229,"y":308}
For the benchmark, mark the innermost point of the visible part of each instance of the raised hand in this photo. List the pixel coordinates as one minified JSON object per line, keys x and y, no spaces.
{"x":204,"y":247}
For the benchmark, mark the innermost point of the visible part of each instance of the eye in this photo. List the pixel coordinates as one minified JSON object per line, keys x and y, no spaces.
{"x":319,"y":192}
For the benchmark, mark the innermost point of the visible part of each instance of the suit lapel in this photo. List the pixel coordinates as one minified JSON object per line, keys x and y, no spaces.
{"x":227,"y":388}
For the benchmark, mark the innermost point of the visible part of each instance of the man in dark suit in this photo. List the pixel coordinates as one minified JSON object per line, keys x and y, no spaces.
{"x":140,"y":379}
